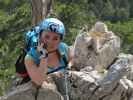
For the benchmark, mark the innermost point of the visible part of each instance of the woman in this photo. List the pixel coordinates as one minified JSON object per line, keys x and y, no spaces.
{"x":48,"y":52}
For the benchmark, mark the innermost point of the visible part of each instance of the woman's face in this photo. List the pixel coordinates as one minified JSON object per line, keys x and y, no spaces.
{"x":51,"y":39}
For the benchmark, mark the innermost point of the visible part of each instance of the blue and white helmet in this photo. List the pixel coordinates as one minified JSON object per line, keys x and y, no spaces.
{"x":53,"y":25}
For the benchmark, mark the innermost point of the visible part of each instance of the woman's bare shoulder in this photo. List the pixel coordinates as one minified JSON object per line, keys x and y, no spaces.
{"x":28,"y":60}
{"x":28,"y":57}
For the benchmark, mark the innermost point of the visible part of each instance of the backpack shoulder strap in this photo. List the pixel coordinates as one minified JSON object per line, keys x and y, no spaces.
{"x":33,"y":53}
{"x":63,"y":50}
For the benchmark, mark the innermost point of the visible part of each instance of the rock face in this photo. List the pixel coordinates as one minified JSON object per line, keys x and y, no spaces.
{"x":110,"y":85}
{"x":97,"y":48}
{"x":30,"y":92}
{"x":101,"y":71}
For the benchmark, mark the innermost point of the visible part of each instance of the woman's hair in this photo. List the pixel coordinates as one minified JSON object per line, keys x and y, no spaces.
{"x":40,"y":34}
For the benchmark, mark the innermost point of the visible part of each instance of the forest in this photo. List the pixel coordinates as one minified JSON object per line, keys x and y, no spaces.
{"x":16,"y":16}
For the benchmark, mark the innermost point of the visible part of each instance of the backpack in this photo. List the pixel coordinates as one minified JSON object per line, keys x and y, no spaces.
{"x":31,"y":41}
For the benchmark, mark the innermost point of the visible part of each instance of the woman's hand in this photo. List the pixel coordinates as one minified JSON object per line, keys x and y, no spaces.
{"x":42,"y":46}
{"x":43,"y":61}
{"x":56,"y":74}
{"x":48,"y":85}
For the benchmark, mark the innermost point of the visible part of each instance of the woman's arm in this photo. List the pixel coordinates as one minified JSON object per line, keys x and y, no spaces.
{"x":36,"y":73}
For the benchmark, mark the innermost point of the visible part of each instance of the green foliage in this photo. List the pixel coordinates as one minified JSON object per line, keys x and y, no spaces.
{"x":13,"y":23}
{"x":108,"y":11}
{"x":6,"y":76}
{"x":124,"y":30}
{"x":122,"y":14}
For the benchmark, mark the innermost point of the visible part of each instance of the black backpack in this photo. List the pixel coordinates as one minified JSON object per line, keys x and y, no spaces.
{"x":20,"y":66}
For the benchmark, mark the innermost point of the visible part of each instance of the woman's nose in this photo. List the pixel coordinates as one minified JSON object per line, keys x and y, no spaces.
{"x":49,"y":40}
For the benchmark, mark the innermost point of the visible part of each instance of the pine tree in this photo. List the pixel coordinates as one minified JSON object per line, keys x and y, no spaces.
{"x":98,"y":7}
{"x":108,"y":11}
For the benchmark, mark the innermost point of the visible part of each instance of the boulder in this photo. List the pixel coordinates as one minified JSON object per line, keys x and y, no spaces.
{"x":30,"y":92}
{"x":111,"y":85}
{"x":97,"y":48}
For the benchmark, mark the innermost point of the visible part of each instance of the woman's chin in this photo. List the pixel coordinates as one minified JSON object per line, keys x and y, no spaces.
{"x":51,"y":49}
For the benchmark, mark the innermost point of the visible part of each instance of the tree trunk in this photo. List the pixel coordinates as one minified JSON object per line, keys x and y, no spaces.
{"x":40,"y":9}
